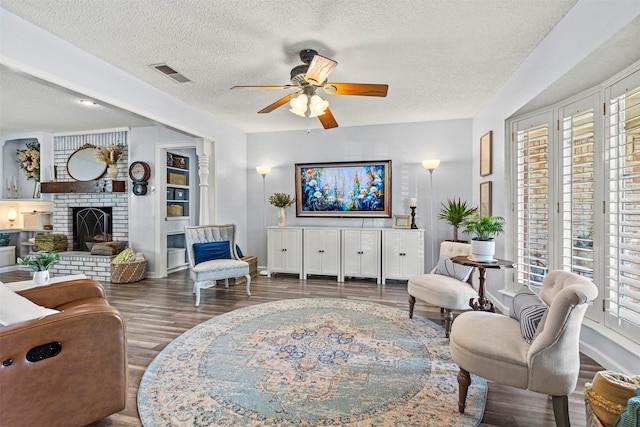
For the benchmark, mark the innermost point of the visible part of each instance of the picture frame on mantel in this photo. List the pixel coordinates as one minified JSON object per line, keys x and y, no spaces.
{"x":485,"y":198}
{"x":485,"y":154}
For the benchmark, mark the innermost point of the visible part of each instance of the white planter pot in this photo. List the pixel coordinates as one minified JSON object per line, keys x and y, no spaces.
{"x":483,"y":250}
{"x":41,"y":277}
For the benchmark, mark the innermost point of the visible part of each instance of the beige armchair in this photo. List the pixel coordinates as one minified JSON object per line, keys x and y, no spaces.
{"x":440,"y":289}
{"x":68,"y":368}
{"x":492,"y":346}
{"x":212,"y":256}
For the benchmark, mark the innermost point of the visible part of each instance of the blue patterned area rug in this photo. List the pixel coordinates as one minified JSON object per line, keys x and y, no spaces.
{"x":308,"y":362}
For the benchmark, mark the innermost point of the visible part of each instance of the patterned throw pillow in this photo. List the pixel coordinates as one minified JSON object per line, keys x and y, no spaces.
{"x":528,"y":309}
{"x":446,"y":267}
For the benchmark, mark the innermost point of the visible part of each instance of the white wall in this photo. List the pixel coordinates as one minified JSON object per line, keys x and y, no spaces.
{"x":565,"y":46}
{"x":405,"y":145}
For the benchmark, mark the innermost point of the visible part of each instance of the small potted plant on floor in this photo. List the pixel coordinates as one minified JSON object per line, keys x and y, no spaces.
{"x":484,"y":228}
{"x":455,"y":212}
{"x":282,"y":201}
{"x":40,"y":264}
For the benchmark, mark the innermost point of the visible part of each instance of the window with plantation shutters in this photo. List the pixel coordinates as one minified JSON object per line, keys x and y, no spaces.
{"x":578,"y":170}
{"x":532,"y":199}
{"x":577,"y":197}
{"x":622,"y":272}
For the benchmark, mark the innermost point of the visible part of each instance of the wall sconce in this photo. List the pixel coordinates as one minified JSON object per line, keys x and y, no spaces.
{"x":12,"y":215}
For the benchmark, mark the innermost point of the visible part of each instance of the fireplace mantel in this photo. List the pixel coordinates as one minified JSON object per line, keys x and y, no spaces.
{"x":97,"y":186}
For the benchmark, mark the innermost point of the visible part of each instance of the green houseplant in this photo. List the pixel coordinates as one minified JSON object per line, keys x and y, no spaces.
{"x":484,"y":228}
{"x":40,"y":264}
{"x":455,"y":212}
{"x":281,"y":201}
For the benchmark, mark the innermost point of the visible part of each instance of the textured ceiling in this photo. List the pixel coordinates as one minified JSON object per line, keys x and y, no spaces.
{"x":441,"y":59}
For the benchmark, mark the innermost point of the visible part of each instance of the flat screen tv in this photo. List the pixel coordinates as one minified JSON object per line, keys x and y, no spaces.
{"x":344,"y":189}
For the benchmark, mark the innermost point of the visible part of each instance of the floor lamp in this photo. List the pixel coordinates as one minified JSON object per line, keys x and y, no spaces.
{"x":264,"y":171}
{"x":431,"y":165}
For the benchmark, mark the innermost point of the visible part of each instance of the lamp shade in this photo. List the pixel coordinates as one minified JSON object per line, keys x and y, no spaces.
{"x":263,"y":170}
{"x":12,"y":215}
{"x":430,"y":164}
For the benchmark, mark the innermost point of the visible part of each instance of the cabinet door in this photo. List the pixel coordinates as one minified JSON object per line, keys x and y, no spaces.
{"x":391,"y":263}
{"x":330,"y":252}
{"x":412,"y":248}
{"x":312,"y":252}
{"x":370,"y":253}
{"x":291,"y":242}
{"x":275,"y":253}
{"x":351,"y":256}
{"x":321,"y":252}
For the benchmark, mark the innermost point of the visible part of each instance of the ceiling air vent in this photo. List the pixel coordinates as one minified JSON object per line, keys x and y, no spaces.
{"x":170,"y":72}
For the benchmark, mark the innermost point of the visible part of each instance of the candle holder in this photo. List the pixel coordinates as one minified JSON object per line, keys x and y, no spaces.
{"x":413,"y":217}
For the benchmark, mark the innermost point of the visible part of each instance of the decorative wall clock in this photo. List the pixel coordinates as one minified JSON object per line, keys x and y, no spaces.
{"x":139,"y":172}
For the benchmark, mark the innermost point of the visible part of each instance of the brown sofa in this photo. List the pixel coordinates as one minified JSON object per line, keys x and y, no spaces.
{"x":87,"y":379}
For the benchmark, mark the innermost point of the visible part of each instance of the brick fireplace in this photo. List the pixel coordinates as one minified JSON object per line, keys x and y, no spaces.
{"x":79,"y":260}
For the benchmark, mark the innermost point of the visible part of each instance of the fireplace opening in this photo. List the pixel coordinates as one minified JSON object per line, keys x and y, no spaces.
{"x":91,"y":225}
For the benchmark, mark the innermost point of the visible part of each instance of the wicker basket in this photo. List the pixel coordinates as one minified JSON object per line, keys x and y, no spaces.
{"x":175,"y":210}
{"x":128,"y":272}
{"x":592,"y":420}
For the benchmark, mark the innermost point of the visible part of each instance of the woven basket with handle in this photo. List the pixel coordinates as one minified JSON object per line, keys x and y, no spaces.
{"x":128,"y":272}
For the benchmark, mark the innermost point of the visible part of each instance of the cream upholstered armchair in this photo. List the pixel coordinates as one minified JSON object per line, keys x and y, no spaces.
{"x":448,"y":285}
{"x":212,"y":256}
{"x":493,"y":346}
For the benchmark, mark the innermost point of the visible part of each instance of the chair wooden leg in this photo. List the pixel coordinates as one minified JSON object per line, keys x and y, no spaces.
{"x":248,"y":277}
{"x":197,"y":291}
{"x":448,"y":321}
{"x":561,"y":410}
{"x":412,"y":302}
{"x":464,"y":381}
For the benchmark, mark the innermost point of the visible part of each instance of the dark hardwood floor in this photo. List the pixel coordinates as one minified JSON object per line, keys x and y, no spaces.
{"x":159,"y":310}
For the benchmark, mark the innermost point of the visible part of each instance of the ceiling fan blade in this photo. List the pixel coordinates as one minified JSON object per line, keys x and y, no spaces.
{"x":264,"y":87}
{"x":327,"y":120}
{"x":279,"y":103}
{"x":360,"y":89}
{"x":319,"y":69}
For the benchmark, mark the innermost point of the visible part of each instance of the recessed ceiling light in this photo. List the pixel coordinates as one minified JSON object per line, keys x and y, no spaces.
{"x":87,"y":103}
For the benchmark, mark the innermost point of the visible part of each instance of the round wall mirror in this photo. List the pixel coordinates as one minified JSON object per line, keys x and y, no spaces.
{"x":82,"y":165}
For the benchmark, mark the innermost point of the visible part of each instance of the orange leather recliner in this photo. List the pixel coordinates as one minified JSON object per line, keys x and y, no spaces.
{"x":85,"y":381}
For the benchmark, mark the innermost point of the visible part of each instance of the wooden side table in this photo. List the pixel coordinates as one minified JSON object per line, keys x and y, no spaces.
{"x":482,"y":304}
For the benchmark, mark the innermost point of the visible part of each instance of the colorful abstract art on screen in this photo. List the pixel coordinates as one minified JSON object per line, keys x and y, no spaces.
{"x":356,"y":189}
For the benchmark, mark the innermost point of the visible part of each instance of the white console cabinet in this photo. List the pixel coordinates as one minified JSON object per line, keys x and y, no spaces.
{"x":402,"y":253}
{"x":377,"y":253}
{"x":284,"y":250}
{"x":321,"y":252}
{"x":361,"y":253}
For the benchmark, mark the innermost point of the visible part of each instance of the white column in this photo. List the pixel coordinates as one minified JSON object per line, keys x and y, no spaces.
{"x":203,"y":150}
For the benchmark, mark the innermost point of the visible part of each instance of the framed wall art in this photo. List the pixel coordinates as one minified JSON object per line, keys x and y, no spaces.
{"x":344,"y":189}
{"x":485,"y":154}
{"x":485,"y":198}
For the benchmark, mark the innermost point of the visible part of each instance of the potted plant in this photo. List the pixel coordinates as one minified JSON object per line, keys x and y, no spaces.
{"x":455,"y":212}
{"x":484,"y":228}
{"x":282,"y":201}
{"x":40,"y":264}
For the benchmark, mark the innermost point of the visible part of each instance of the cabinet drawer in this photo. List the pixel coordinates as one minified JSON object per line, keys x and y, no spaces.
{"x":176,"y":225}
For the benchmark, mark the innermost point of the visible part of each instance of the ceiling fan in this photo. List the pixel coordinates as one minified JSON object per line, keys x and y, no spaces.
{"x":310,"y":76}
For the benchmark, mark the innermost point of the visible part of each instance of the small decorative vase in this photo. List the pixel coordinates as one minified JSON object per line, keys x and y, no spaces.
{"x":483,"y":250}
{"x":112,"y":171}
{"x":282,"y":217}
{"x":41,"y":277}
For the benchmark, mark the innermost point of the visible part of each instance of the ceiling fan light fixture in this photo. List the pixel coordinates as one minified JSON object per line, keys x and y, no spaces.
{"x":319,"y":69}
